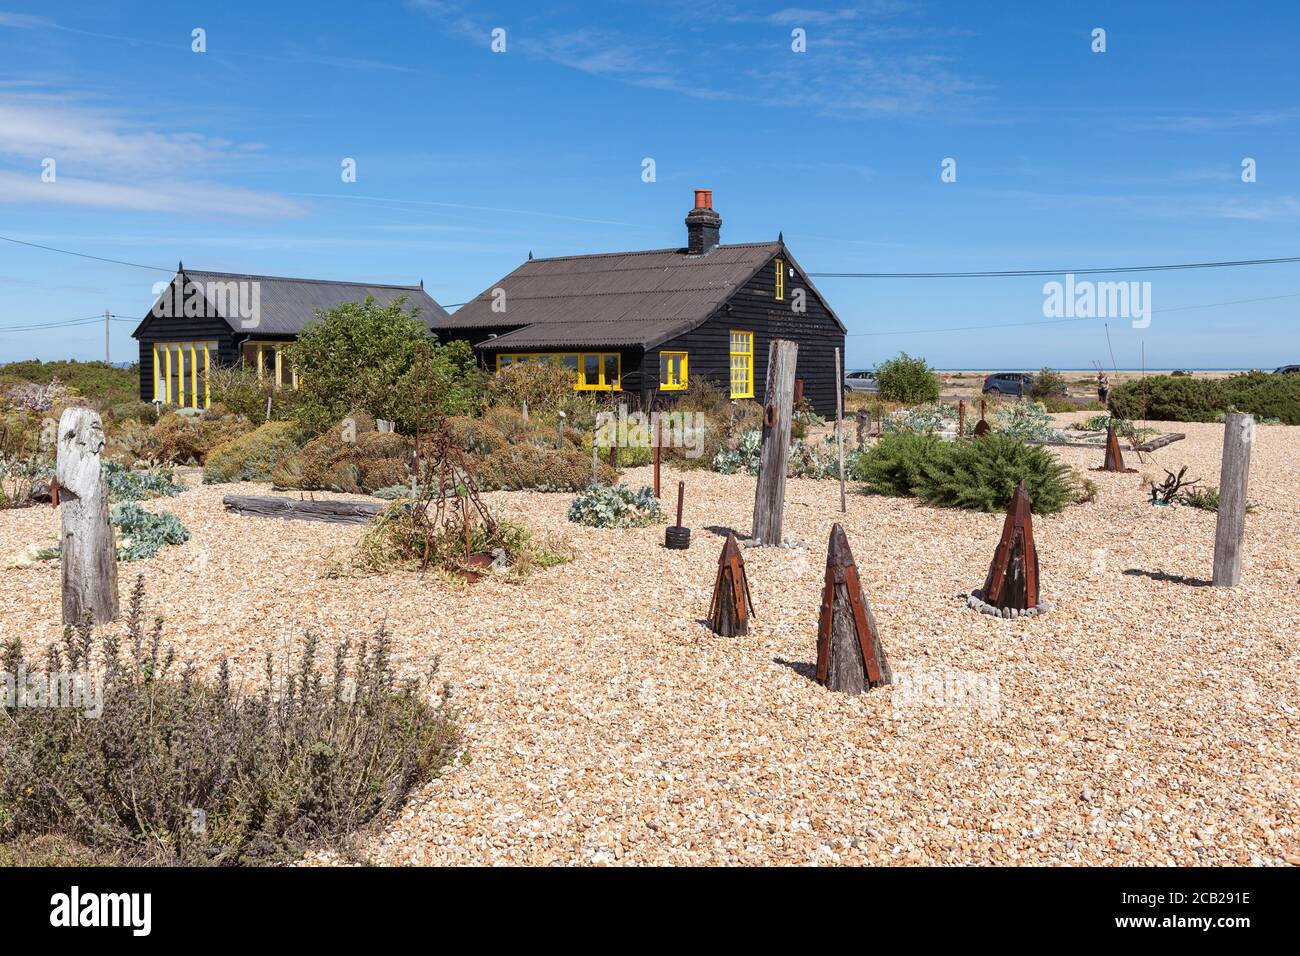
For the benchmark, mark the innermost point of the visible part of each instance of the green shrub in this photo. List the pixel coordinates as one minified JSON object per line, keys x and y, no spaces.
{"x":1049,"y":383}
{"x":183,"y":769}
{"x":547,"y":387}
{"x":1264,"y":395}
{"x":99,"y":384}
{"x":362,"y":355}
{"x":252,"y":457}
{"x":907,"y":379}
{"x":616,"y":506}
{"x":982,"y":474}
{"x":529,"y":467}
{"x":1168,"y":398}
{"x":240,"y":391}
{"x":893,"y":465}
{"x":146,"y":412}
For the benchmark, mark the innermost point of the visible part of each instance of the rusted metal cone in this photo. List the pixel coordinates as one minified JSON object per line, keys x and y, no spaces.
{"x":1114,"y":460}
{"x":1012,"y":581}
{"x":850,"y":658}
{"x":732,"y":605}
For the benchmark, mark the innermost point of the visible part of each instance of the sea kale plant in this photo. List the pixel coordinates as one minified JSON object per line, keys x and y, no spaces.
{"x":616,"y":506}
{"x":163,"y":764}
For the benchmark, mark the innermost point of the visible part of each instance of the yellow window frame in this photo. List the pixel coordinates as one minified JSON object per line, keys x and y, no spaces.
{"x":602,"y":383}
{"x":670,"y":382}
{"x":185,"y":394}
{"x":780,"y":279}
{"x":742,"y":364}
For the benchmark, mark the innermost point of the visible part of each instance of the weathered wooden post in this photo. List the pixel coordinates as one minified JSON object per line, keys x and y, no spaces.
{"x":850,"y":658}
{"x":1234,"y":474}
{"x":961,"y":418}
{"x":525,"y":410}
{"x":732,"y":605}
{"x":839,"y":424}
{"x":778,"y":409}
{"x":864,"y":426}
{"x":595,"y":452}
{"x":654,"y":437}
{"x":89,"y":556}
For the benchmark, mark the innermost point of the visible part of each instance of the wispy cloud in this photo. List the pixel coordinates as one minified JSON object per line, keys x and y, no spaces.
{"x":210,"y":199}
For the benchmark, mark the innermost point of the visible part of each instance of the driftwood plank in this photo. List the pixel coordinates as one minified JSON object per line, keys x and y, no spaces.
{"x":338,"y":512}
{"x":89,"y":558}
{"x":1160,"y":442}
{"x":778,"y":413}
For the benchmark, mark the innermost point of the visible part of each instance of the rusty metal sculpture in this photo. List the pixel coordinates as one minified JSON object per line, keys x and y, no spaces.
{"x":732,"y":605}
{"x":850,"y":658}
{"x":1012,"y":582}
{"x":982,"y":427}
{"x":1114,"y":459}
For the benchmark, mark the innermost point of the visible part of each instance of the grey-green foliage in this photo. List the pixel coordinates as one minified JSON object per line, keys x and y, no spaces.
{"x":141,"y":534}
{"x":806,"y":459}
{"x":616,"y":506}
{"x":125,"y":484}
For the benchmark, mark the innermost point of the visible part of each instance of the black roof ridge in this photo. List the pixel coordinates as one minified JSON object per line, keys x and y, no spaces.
{"x":650,"y":252}
{"x":254,"y":275}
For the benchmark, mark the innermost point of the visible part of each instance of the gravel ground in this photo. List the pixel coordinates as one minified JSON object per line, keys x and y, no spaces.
{"x":1148,"y":719}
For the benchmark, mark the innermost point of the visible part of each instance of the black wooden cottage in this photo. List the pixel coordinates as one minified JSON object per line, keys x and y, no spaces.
{"x":205,"y":319}
{"x":643,"y":323}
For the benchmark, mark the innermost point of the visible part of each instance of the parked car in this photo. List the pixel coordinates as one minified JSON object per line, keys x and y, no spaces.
{"x":1014,"y":383}
{"x":1008,"y":383}
{"x":860,"y":381}
{"x":1287,"y":370}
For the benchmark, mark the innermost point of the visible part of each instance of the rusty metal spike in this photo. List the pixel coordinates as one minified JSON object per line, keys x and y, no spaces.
{"x":1114,"y":459}
{"x":841,"y":569}
{"x":731,"y":592}
{"x":1013,"y":574}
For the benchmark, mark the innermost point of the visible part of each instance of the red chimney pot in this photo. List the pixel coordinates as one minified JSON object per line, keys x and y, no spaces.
{"x":704,"y":199}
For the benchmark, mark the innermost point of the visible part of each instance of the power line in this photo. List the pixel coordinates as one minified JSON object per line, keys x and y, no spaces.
{"x":1051,"y":272}
{"x":84,"y":255}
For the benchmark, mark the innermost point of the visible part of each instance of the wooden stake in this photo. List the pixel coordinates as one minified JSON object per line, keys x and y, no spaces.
{"x":864,"y":426}
{"x":778,"y":408}
{"x":839,"y":424}
{"x":1234,"y":474}
{"x":850,"y":658}
{"x":732,"y":606}
{"x":89,"y":558}
{"x":654,"y":434}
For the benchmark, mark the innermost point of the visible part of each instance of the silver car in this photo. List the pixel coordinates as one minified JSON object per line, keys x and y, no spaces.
{"x":860,"y":381}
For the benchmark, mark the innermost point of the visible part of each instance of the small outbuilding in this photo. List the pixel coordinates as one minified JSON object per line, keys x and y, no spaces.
{"x":648,"y":323}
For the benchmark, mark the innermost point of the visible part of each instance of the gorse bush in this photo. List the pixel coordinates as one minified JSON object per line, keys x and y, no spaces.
{"x":1048,"y":383}
{"x":254,"y":456}
{"x":907,"y":379}
{"x":182,"y":769}
{"x":980,"y":474}
{"x":355,"y":460}
{"x":1186,"y":399}
{"x":616,"y":506}
{"x":363,"y":355}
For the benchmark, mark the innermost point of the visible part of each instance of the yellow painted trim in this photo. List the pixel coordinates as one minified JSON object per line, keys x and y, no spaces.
{"x":668,"y":384}
{"x":743,"y":358}
{"x":780,"y":279}
{"x":581,"y":384}
{"x":194,"y":378}
{"x":168,"y":380}
{"x":207,"y":377}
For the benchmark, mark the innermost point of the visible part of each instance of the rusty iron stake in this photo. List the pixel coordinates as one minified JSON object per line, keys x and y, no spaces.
{"x":732,"y":604}
{"x":842,"y":570}
{"x":1012,"y":580}
{"x":961,"y":418}
{"x":1114,"y":458}
{"x":681,"y":497}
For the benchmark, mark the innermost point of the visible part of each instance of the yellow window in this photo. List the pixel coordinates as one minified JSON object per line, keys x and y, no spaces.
{"x":592,"y":371}
{"x":780,"y":279}
{"x":180,"y":373}
{"x":672,"y":371}
{"x":269,"y":360}
{"x":742,"y":364}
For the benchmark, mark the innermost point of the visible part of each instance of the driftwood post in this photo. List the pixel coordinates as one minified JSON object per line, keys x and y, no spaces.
{"x":778,"y":408}
{"x":732,"y":605}
{"x":1230,"y":529}
{"x":839,"y":423}
{"x":849,"y":656}
{"x":864,"y":426}
{"x":89,"y":557}
{"x":654,"y":438}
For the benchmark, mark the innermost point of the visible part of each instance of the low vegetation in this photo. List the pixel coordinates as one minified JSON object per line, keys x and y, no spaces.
{"x":616,"y":506}
{"x":252,"y":456}
{"x":181,"y":768}
{"x":1189,"y":399}
{"x":94,"y":383}
{"x":907,"y":379}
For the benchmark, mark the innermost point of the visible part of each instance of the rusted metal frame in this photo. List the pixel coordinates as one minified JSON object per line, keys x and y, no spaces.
{"x":845,"y":573}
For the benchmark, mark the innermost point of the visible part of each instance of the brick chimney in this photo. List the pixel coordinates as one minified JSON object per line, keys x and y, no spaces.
{"x":703,"y":225}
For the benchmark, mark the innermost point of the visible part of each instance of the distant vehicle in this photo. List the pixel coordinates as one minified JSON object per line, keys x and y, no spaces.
{"x":1013,"y":383}
{"x":860,"y":381}
{"x":1008,"y":383}
{"x":1287,"y":370}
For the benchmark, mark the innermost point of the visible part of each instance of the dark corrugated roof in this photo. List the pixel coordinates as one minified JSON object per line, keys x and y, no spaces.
{"x":613,"y":299}
{"x":289,"y":304}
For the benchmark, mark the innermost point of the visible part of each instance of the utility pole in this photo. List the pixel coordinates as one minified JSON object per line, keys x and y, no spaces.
{"x":107,"y":359}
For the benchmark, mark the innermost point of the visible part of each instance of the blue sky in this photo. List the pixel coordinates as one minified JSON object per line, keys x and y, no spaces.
{"x":468,"y":159}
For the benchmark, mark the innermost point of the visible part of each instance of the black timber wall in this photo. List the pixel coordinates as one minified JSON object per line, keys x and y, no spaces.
{"x":754,"y":308}
{"x":175,"y":326}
